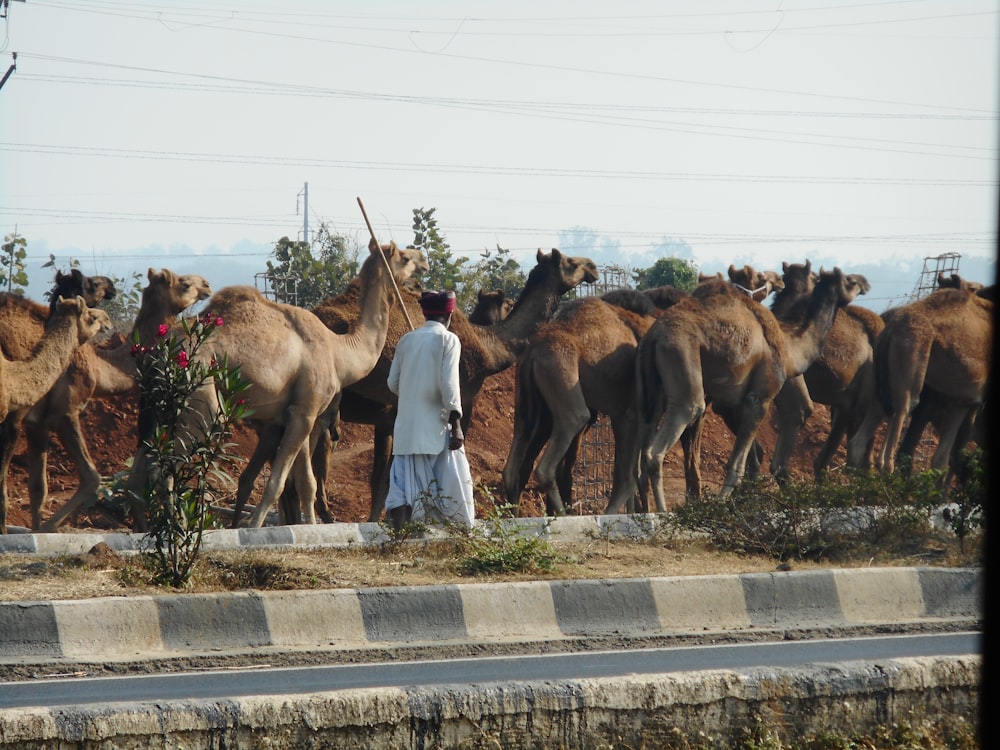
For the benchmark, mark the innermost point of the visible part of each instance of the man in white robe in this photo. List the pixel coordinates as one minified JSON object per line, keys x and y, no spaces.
{"x":429,"y":480}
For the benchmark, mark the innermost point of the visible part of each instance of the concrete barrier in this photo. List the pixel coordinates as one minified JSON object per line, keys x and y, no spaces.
{"x":647,"y":711}
{"x":138,"y":627}
{"x":640,"y":526}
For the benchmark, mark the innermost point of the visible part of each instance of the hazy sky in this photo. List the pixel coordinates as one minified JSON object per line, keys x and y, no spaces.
{"x":751,"y":130}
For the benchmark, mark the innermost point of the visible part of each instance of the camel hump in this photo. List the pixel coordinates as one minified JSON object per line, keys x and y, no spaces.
{"x":231,"y":295}
{"x":631,"y":300}
{"x":666,"y":296}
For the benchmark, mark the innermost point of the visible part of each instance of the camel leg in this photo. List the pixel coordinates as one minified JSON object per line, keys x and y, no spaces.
{"x":305,"y":487}
{"x":676,"y":421}
{"x":794,"y":407}
{"x":321,"y":469}
{"x":538,"y":440}
{"x":905,"y":388}
{"x":294,"y":441}
{"x":691,"y":445}
{"x":564,"y":475}
{"x":135,"y":486}
{"x":838,"y":429}
{"x":754,"y":408}
{"x":867,"y":416}
{"x":626,"y":448}
{"x":567,"y":426}
{"x":381,"y":460}
{"x":268,"y":438}
{"x":922,"y":414}
{"x":530,"y":435}
{"x":9,"y":431}
{"x":71,"y":436}
{"x":37,"y":439}
{"x":955,"y":421}
{"x":322,"y":442}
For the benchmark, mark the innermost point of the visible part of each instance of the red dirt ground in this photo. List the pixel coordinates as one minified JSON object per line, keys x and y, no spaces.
{"x":110,"y":428}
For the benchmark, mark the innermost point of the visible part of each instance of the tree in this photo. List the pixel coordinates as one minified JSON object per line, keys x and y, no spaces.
{"x":445,"y":271}
{"x":494,"y":271}
{"x":677,"y":272}
{"x":124,"y":306}
{"x":13,"y":277}
{"x":297,"y":277}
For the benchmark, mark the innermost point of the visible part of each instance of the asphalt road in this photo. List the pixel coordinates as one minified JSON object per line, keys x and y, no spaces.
{"x":265,"y":680}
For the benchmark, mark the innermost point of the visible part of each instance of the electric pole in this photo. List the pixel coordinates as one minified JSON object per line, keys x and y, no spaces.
{"x":304,"y":194}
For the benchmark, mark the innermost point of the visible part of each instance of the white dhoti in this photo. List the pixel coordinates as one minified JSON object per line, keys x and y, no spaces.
{"x":437,"y":487}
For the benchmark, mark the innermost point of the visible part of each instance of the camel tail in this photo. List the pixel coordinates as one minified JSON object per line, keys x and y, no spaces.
{"x":648,"y":377}
{"x":882,"y":390}
{"x":526,"y":399}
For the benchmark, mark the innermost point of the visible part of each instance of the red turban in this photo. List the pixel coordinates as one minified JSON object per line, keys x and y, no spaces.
{"x":437,"y":303}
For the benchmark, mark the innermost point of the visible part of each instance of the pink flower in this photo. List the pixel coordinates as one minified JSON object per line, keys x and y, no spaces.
{"x":182,"y":359}
{"x":163,"y":330}
{"x":218,"y":321}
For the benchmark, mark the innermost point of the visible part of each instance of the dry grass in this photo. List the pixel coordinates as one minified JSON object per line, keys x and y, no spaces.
{"x":104,"y":573}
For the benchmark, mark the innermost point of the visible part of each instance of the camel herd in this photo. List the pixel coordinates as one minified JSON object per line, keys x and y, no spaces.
{"x":652,"y":361}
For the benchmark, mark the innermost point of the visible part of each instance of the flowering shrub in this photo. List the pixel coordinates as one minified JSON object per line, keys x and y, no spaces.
{"x":187,"y":447}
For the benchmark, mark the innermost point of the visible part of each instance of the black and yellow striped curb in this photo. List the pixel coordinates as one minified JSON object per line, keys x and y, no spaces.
{"x":157,"y":626}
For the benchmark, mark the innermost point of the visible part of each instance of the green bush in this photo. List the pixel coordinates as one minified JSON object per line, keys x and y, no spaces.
{"x":858,"y":515}
{"x":186,"y":465}
{"x":494,"y":545}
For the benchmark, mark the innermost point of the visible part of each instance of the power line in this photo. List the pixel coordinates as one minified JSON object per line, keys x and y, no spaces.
{"x":424,"y":167}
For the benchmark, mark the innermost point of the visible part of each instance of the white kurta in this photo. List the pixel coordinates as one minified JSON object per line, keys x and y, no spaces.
{"x":424,"y":374}
{"x":435,"y":481}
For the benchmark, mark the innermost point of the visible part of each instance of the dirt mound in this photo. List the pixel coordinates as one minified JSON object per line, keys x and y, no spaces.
{"x":109,"y":425}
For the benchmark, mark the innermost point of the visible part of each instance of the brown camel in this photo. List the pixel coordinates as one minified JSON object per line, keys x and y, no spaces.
{"x":578,"y":365}
{"x":23,"y":382}
{"x":954,"y":281}
{"x":943,"y":342}
{"x":486,"y":350}
{"x":720,"y":346}
{"x":755,"y":284}
{"x":296,"y":367}
{"x":842,"y":377}
{"x":21,"y":327}
{"x":408,"y":264}
{"x":98,"y":371}
{"x":491,"y":307}
{"x":931,"y":408}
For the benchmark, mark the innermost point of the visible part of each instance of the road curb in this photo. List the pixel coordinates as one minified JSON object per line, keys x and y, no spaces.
{"x":646,"y":710}
{"x":336,"y":535}
{"x":111,"y":628}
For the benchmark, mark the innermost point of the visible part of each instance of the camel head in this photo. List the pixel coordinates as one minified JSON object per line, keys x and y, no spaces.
{"x":954,"y":281}
{"x":856,"y":285}
{"x":90,"y":321}
{"x":403,"y":263}
{"x":798,"y":278}
{"x":573,"y":270}
{"x":491,"y":307}
{"x":756,"y":284}
{"x":93,"y":289}
{"x":705,"y":277}
{"x":173,"y":294}
{"x":773,"y":278}
{"x":413,"y":264}
{"x":849,"y":286}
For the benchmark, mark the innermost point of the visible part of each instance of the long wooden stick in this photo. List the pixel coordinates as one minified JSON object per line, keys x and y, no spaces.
{"x":399,"y":295}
